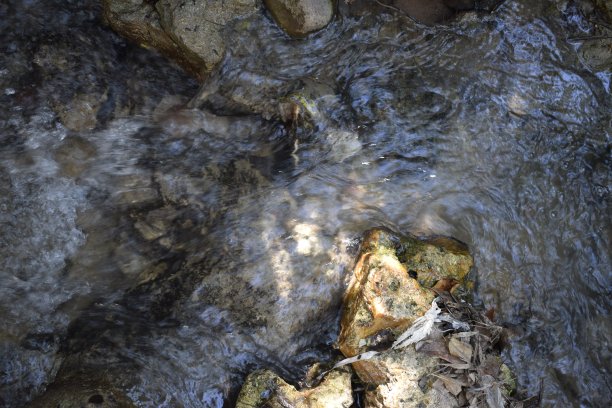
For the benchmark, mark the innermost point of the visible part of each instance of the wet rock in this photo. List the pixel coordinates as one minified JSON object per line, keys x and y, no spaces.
{"x":594,"y":47}
{"x":389,"y":290}
{"x":190,"y":33}
{"x":135,"y":190}
{"x":74,"y":155}
{"x":605,"y":6}
{"x":381,"y":296}
{"x":264,"y":388}
{"x":80,"y":114}
{"x":197,"y":27}
{"x":437,"y":11}
{"x":138,"y":21}
{"x":156,"y":223}
{"x":389,"y":286}
{"x":301,"y":17}
{"x":432,"y":259}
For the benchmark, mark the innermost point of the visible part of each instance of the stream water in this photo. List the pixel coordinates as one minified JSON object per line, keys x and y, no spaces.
{"x":168,"y":251}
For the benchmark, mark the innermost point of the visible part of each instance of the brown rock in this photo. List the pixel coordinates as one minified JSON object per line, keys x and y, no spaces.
{"x":388,"y":291}
{"x":389,"y":286}
{"x":380,"y":296}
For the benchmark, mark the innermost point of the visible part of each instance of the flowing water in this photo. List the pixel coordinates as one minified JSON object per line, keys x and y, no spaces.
{"x":167,"y":249}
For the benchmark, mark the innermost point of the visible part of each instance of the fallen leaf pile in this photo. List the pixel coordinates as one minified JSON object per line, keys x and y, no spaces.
{"x":471,"y":372}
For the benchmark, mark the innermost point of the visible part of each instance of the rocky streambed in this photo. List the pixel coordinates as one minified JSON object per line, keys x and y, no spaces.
{"x":166,"y":236}
{"x":404,"y":351}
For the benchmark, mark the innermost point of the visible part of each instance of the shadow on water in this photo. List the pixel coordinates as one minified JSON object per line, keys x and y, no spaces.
{"x":159,"y":253}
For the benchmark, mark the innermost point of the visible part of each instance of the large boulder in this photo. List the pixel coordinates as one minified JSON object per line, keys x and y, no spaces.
{"x":301,"y":17}
{"x":264,"y":388}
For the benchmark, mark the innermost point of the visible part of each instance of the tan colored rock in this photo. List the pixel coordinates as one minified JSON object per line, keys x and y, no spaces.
{"x":139,"y":22}
{"x":380,"y":296}
{"x":390,"y":281}
{"x":404,"y":369}
{"x":300,"y":17}
{"x":435,"y":258}
{"x":388,"y":291}
{"x":264,"y":388}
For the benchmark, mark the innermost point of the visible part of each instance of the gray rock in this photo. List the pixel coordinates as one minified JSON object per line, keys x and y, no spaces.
{"x":301,"y":17}
{"x":196,"y":27}
{"x":191,"y":33}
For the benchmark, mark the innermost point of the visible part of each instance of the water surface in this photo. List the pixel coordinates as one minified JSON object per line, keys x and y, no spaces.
{"x":178,"y":248}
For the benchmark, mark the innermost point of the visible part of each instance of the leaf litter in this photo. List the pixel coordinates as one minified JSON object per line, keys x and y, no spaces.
{"x":470,"y":371}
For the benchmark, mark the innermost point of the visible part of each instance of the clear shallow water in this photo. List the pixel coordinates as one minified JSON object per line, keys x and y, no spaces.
{"x":179,"y":251}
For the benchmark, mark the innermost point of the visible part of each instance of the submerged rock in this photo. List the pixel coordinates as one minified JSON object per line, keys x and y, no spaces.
{"x":301,"y":17}
{"x":437,"y":11}
{"x":78,"y":392}
{"x":80,"y":114}
{"x":264,"y":388}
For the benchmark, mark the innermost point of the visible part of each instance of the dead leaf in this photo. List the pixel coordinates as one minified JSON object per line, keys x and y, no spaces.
{"x":490,"y":366}
{"x":452,"y":385}
{"x":473,"y":378}
{"x":460,"y":349}
{"x":493,"y":392}
{"x":420,"y":329}
{"x":494,"y":397}
{"x":441,"y":397}
{"x":464,"y":335}
{"x":437,"y":348}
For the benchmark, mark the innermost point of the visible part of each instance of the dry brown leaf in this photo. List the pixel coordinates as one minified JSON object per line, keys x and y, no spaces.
{"x":443,"y":397}
{"x":437,"y":348}
{"x":445,"y":285}
{"x":490,"y":366}
{"x":493,"y":392}
{"x":452,"y":385}
{"x":460,"y":349}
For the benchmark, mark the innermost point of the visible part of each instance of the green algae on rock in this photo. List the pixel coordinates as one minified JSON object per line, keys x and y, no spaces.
{"x":390,"y":285}
{"x":389,"y":290}
{"x":265,"y":388}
